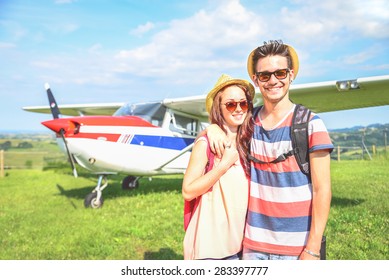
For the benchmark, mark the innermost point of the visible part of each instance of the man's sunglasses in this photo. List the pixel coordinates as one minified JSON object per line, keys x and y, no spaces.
{"x":231,"y":106}
{"x":279,"y":74}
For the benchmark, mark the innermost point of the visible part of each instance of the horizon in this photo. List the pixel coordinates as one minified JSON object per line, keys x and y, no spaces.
{"x":48,"y":131}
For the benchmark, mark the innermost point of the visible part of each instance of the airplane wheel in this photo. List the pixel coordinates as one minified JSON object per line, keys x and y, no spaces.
{"x":91,"y":201}
{"x":130,"y":183}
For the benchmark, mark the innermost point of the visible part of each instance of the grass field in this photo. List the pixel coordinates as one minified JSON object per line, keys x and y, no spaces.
{"x":42,"y":216}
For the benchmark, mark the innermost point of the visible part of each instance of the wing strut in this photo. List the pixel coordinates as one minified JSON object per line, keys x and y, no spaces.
{"x":68,"y":152}
{"x":183,"y":151}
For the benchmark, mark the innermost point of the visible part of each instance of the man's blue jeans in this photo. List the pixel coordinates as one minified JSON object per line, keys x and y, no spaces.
{"x":249,"y":254}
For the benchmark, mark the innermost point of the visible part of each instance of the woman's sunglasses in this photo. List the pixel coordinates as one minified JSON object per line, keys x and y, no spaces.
{"x":279,"y":74}
{"x":231,"y":106}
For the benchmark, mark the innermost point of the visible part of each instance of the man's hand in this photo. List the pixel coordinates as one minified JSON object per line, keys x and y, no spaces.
{"x":218,"y":140}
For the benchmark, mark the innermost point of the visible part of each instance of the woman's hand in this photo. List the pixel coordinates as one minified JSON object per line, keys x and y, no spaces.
{"x":230,"y":156}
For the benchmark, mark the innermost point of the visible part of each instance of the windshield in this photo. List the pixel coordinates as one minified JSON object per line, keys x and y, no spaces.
{"x":151,"y":112}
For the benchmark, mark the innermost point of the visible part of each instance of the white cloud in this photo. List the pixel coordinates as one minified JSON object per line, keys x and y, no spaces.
{"x":5,"y":45}
{"x":360,"y":57}
{"x":217,"y":40}
{"x":61,"y":28}
{"x":144,"y":28}
{"x":67,"y":28}
{"x":15,"y":30}
{"x":45,"y":64}
{"x":333,"y":20}
{"x":96,"y":49}
{"x":189,"y":48}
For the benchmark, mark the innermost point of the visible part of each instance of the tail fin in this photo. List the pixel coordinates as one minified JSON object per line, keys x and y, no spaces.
{"x":53,"y":104}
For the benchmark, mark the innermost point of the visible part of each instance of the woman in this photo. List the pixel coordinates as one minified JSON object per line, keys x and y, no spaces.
{"x":217,"y":226}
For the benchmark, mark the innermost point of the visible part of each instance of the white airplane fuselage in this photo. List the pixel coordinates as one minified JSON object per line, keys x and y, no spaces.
{"x":118,"y":144}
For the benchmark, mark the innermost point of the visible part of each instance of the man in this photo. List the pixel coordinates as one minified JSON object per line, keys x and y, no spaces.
{"x":288,"y":210}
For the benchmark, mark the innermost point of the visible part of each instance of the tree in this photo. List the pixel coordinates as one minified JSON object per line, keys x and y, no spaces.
{"x":6,"y":145}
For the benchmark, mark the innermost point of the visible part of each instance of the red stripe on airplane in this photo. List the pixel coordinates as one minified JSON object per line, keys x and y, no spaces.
{"x":97,"y":136}
{"x":71,"y":125}
{"x":111,"y":121}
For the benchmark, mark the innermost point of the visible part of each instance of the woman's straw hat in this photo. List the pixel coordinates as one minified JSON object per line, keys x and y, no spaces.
{"x":293,"y":55}
{"x":223,"y":81}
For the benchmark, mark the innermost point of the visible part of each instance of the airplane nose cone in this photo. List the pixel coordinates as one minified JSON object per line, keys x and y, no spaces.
{"x":57,"y":124}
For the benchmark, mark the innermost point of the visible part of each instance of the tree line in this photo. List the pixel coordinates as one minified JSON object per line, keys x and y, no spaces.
{"x":8,"y":144}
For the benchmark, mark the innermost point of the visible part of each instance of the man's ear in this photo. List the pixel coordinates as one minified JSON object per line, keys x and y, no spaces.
{"x":255,"y":80}
{"x":291,"y":75}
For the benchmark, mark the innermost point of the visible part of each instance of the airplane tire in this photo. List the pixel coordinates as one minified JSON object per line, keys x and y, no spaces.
{"x":130,"y":183}
{"x":90,"y":201}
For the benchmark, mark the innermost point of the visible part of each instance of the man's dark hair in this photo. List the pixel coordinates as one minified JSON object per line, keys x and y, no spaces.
{"x":272,"y":47}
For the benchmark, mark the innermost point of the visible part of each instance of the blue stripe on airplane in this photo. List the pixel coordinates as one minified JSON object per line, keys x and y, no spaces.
{"x":166,"y":142}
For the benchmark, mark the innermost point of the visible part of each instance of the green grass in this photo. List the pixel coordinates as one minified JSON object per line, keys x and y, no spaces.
{"x":42,"y":216}
{"x":358,"y":225}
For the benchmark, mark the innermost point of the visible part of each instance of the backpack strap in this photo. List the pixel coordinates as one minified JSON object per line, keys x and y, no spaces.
{"x":210,"y":157}
{"x":190,"y":206}
{"x":299,"y":135}
{"x":280,"y":158}
{"x":256,"y":111}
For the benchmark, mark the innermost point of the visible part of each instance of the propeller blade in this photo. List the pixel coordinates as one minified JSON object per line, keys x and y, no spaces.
{"x":69,"y":155}
{"x":53,"y":104}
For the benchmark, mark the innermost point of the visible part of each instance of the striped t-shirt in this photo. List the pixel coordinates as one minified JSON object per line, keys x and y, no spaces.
{"x":279,"y":211}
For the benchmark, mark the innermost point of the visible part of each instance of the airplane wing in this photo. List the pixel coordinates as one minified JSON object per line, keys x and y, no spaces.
{"x":342,"y":95}
{"x":105,"y":109}
{"x":194,"y":105}
{"x":319,"y":97}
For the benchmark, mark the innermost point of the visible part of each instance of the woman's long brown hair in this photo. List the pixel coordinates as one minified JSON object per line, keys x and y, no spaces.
{"x":245,"y":130}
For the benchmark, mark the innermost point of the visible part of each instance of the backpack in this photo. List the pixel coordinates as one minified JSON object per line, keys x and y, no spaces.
{"x":190,"y":206}
{"x":299,"y":136}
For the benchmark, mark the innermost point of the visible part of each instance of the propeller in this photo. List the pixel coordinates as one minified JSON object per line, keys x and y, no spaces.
{"x":56,"y":114}
{"x":53,"y":104}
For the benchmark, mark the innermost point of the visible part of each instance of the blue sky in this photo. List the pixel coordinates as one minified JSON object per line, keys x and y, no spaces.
{"x":93,"y":51}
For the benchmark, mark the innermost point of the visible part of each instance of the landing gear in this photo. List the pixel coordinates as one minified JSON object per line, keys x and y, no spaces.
{"x":92,"y":201}
{"x":95,"y":199}
{"x":130,"y":183}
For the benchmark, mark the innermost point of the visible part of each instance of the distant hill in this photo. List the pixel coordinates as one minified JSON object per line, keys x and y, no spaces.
{"x":31,"y":135}
{"x":360,"y":127}
{"x":373,"y":134}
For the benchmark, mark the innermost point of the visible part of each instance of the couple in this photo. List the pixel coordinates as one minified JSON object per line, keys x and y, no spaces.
{"x":249,"y":210}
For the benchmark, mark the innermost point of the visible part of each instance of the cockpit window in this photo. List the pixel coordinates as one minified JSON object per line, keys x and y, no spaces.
{"x":159,"y":115}
{"x":183,"y":124}
{"x":151,"y":112}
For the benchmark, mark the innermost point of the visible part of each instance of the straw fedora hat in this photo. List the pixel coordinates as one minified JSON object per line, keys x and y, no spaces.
{"x":293,"y":55}
{"x":223,"y":81}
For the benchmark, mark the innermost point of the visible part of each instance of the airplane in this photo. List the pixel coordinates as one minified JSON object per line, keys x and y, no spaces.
{"x":155,"y":138}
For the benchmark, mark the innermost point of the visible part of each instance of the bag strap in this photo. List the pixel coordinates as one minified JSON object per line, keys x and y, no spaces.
{"x":210,"y":157}
{"x":190,"y":206}
{"x":280,"y":158}
{"x":299,"y":137}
